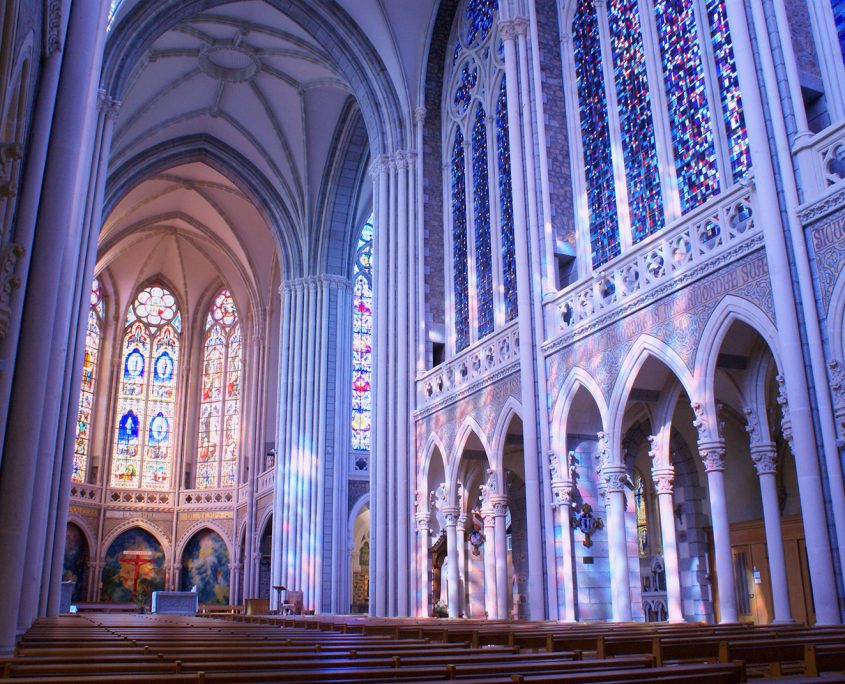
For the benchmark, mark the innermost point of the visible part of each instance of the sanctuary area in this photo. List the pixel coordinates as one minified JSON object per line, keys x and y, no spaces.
{"x":429,"y":324}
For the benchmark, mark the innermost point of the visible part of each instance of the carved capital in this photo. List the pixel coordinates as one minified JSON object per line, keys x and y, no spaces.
{"x":508,"y":29}
{"x":107,"y":104}
{"x":419,"y":116}
{"x":664,"y":480}
{"x":521,"y":25}
{"x":615,"y":478}
{"x":712,"y":455}
{"x":451,"y":515}
{"x":500,"y":505}
{"x":401,"y":160}
{"x":765,"y":458}
{"x":562,"y":493}
{"x":379,"y":165}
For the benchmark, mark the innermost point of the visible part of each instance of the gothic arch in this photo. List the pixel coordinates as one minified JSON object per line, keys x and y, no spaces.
{"x":731,"y":309}
{"x":469,"y":427}
{"x":90,"y":537}
{"x":577,"y":379}
{"x":159,"y":534}
{"x":836,"y":318}
{"x":644,"y":347}
{"x":355,"y":509}
{"x":432,"y":442}
{"x":512,"y":409}
{"x":199,"y":526}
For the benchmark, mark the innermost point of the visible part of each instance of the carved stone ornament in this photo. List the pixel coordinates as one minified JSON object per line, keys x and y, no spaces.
{"x":562,"y":494}
{"x":9,"y":282}
{"x":765,"y":459}
{"x":615,"y":478}
{"x":752,"y":426}
{"x":713,"y":457}
{"x":439,"y":497}
{"x":664,"y":480}
{"x":587,"y":523}
{"x":785,"y":420}
{"x":554,"y":467}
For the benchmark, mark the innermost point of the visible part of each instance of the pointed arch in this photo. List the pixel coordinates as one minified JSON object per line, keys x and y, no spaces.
{"x":644,"y":347}
{"x":432,"y":443}
{"x":468,"y":428}
{"x":511,"y":409}
{"x":836,"y":318}
{"x":198,"y":527}
{"x":577,"y":379}
{"x":731,"y":309}
{"x":158,"y":533}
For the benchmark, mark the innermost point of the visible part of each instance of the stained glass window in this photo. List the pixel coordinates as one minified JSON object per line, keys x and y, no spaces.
{"x":218,"y":442}
{"x":503,"y":157}
{"x":142,"y":454}
{"x":595,"y":134}
{"x":93,"y":338}
{"x":479,"y":17}
{"x":362,"y":340}
{"x":481,"y":214}
{"x":641,"y":506}
{"x":689,"y":113}
{"x":645,"y":202}
{"x":723,"y":53}
{"x":839,"y":18}
{"x":459,"y":243}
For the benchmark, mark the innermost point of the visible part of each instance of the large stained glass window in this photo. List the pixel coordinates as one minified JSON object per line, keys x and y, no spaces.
{"x":723,"y":53}
{"x":219,"y":435}
{"x":481,"y":214}
{"x":362,"y":340}
{"x":503,"y":158}
{"x":689,"y":113}
{"x":459,"y":243}
{"x":595,"y":134}
{"x":645,"y":202}
{"x":142,"y":453}
{"x":839,"y":18}
{"x":93,"y":339}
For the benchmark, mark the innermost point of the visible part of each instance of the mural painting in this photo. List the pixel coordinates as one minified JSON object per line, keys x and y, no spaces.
{"x":134,"y":567}
{"x":76,"y":556}
{"x":205,"y":565}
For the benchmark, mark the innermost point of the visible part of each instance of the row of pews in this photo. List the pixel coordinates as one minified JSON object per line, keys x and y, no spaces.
{"x":101,"y":647}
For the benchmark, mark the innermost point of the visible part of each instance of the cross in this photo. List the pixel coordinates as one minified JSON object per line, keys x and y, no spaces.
{"x":137,"y":558}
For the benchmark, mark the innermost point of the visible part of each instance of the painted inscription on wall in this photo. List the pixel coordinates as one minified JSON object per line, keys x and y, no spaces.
{"x":829,"y":248}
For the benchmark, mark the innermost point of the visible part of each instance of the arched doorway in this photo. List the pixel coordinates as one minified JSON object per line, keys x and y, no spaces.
{"x":133,"y":567}
{"x":359,"y":557}
{"x":76,"y":562}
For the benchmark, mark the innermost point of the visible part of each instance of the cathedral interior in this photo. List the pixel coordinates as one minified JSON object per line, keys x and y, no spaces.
{"x":479,"y":309}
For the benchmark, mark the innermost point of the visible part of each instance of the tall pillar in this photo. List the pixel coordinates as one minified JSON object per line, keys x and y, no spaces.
{"x":765,"y":461}
{"x":460,"y":532}
{"x":423,"y":519}
{"x":450,"y":513}
{"x":562,"y":491}
{"x":664,"y":479}
{"x":713,"y":455}
{"x":490,"y":600}
{"x":615,"y":479}
{"x":500,"y":507}
{"x":508,"y":31}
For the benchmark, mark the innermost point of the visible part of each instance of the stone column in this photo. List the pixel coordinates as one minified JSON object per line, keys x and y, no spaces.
{"x":423,"y":520}
{"x":500,"y":507}
{"x":713,"y":455}
{"x":508,"y":31}
{"x":765,"y":461}
{"x":450,"y":513}
{"x":490,"y":594}
{"x":562,"y":492}
{"x":664,"y":479}
{"x":460,"y":532}
{"x":615,"y":479}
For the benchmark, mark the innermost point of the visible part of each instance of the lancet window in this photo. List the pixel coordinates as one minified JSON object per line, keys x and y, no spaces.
{"x":219,"y":438}
{"x":476,"y":143}
{"x":362,"y":340}
{"x":696,"y":100}
{"x":142,"y":452}
{"x":93,"y":341}
{"x":839,"y":18}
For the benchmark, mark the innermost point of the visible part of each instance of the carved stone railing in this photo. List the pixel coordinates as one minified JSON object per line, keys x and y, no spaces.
{"x":139,"y":497}
{"x":655,"y":606}
{"x":266,"y":480}
{"x":85,"y":492}
{"x":207,"y":498}
{"x":655,"y":264}
{"x":483,"y":362}
{"x":821,"y":161}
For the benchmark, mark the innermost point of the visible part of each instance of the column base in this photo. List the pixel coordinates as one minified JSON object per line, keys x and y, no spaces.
{"x":790,"y":621}
{"x":677,"y":621}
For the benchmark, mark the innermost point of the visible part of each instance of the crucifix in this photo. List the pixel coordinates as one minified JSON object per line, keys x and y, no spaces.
{"x":137,"y":558}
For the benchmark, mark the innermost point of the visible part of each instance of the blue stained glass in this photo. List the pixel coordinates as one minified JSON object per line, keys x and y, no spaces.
{"x":689,"y":114}
{"x":457,"y":53}
{"x":362,"y":338}
{"x":839,"y":18}
{"x":480,"y":15}
{"x":481,"y":213}
{"x":723,"y":53}
{"x":159,"y":429}
{"x":459,"y":243}
{"x":164,"y":368}
{"x":133,"y":367}
{"x":645,"y":202}
{"x":463,"y":95}
{"x":503,"y":157}
{"x":128,"y":427}
{"x":595,"y":135}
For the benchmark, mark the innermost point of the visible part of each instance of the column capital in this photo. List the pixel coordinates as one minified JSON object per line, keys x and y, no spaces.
{"x":419,"y":116}
{"x":107,"y":104}
{"x":664,"y":479}
{"x":451,"y":514}
{"x":379,"y":165}
{"x":401,"y":160}
{"x":712,"y":453}
{"x":562,"y":494}
{"x":615,"y":477}
{"x":423,"y":521}
{"x":765,"y":458}
{"x":508,"y":29}
{"x":499,"y":502}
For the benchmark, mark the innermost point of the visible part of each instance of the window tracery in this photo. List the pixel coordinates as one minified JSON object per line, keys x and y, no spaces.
{"x":220,"y":396}
{"x":93,"y":341}
{"x":142,"y":453}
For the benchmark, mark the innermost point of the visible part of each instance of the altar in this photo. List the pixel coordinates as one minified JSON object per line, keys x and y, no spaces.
{"x":175,"y":602}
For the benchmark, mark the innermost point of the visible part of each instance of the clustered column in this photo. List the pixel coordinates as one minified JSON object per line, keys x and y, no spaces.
{"x":664,"y":479}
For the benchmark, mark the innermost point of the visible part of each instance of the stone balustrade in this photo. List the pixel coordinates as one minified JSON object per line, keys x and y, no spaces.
{"x":266,"y":480}
{"x":85,"y":493}
{"x":821,"y":161}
